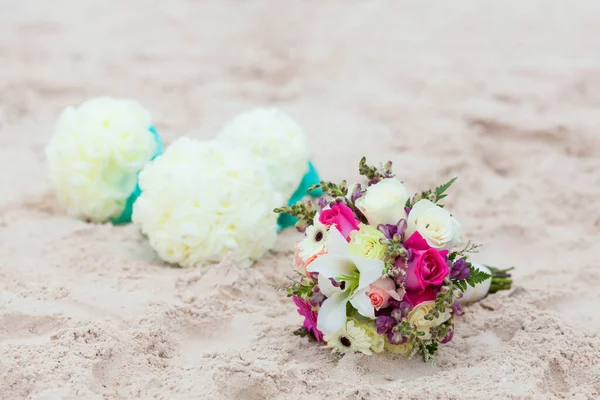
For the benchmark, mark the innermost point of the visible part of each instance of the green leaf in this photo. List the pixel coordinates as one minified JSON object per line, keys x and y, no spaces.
{"x":477,"y":276}
{"x":366,"y":170}
{"x":501,"y":279}
{"x":461,"y":285}
{"x":428,"y":350}
{"x":350,"y":310}
{"x":314,"y":187}
{"x":442,"y":188}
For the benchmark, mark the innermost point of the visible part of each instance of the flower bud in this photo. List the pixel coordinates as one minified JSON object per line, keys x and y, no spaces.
{"x":460,"y":270}
{"x":397,"y":314}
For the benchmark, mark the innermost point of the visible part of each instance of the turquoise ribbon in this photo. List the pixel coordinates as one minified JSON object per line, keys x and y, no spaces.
{"x":311,"y":178}
{"x":125,"y":217}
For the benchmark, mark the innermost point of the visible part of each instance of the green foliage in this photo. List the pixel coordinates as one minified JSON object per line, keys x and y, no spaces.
{"x":313,"y":188}
{"x":470,"y":248}
{"x":428,"y":350}
{"x":441,"y":190}
{"x":350,"y":310}
{"x":405,"y":329}
{"x":435,"y":195}
{"x":301,"y":286}
{"x":443,"y":301}
{"x":332,"y":189}
{"x":440,"y":332}
{"x":476,"y":277}
{"x":374,"y":174}
{"x":302,"y":332}
{"x":365,"y":170}
{"x":393,"y":249}
{"x":305,"y":212}
{"x":501,"y":279}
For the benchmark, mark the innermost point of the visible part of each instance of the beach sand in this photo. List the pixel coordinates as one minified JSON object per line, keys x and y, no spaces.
{"x":504,"y":95}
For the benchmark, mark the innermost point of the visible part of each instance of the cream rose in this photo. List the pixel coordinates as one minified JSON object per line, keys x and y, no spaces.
{"x":383,"y":203}
{"x":417,"y":318}
{"x":365,"y":242}
{"x":435,"y":224}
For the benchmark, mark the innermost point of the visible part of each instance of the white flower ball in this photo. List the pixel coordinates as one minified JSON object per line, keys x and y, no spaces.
{"x":203,"y":200}
{"x":95,"y":155}
{"x":275,"y":140}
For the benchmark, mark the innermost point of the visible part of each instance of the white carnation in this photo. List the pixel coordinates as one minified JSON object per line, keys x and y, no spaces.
{"x":274,"y":139}
{"x":203,"y":200}
{"x":95,"y":154}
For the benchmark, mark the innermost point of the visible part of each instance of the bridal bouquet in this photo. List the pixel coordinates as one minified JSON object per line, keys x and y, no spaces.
{"x":381,"y":270}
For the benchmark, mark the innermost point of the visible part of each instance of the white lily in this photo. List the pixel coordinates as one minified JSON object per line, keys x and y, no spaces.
{"x":353,"y":274}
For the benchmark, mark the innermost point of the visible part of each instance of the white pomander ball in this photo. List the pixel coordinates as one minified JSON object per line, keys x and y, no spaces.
{"x":275,"y":140}
{"x":203,"y":200}
{"x":96,"y":153}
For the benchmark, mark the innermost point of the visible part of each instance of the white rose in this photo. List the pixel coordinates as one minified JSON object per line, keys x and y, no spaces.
{"x":417,"y":318}
{"x":474,"y":294}
{"x":383,"y":203}
{"x":435,"y":224}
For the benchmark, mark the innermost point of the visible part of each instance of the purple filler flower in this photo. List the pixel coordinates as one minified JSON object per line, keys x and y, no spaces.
{"x":357,"y":193}
{"x":384,"y":324}
{"x":322,"y":203}
{"x":310,"y":317}
{"x":448,"y":337}
{"x":456,"y":309}
{"x":317,"y":298}
{"x":392,"y":230}
{"x":460,"y":270}
{"x":394,"y":337}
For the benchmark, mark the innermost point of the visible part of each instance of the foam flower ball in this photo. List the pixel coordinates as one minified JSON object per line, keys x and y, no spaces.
{"x":96,"y":154}
{"x":201,"y":201}
{"x":279,"y":143}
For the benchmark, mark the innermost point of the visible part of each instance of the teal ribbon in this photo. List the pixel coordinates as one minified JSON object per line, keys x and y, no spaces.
{"x":125,"y":217}
{"x":311,"y":178}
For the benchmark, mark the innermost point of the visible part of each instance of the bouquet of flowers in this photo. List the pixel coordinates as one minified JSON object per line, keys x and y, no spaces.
{"x":381,"y":270}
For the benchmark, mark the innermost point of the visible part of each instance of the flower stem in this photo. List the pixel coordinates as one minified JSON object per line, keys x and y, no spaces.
{"x":501,"y":279}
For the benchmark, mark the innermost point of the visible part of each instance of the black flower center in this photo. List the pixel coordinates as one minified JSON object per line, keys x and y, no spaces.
{"x":345,"y":341}
{"x":319,"y":236}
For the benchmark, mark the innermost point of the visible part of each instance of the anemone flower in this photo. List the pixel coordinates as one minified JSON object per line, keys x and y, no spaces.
{"x":344,"y":278}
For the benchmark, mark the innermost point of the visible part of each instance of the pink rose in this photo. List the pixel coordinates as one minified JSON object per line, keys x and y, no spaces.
{"x":416,"y":297}
{"x":342,"y":217}
{"x":381,"y":291}
{"x":426,"y":271}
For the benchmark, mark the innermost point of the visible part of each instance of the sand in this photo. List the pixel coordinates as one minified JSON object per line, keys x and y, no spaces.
{"x":505,"y":95}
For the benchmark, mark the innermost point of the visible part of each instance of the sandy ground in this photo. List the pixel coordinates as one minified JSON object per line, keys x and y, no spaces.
{"x":505,"y":95}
